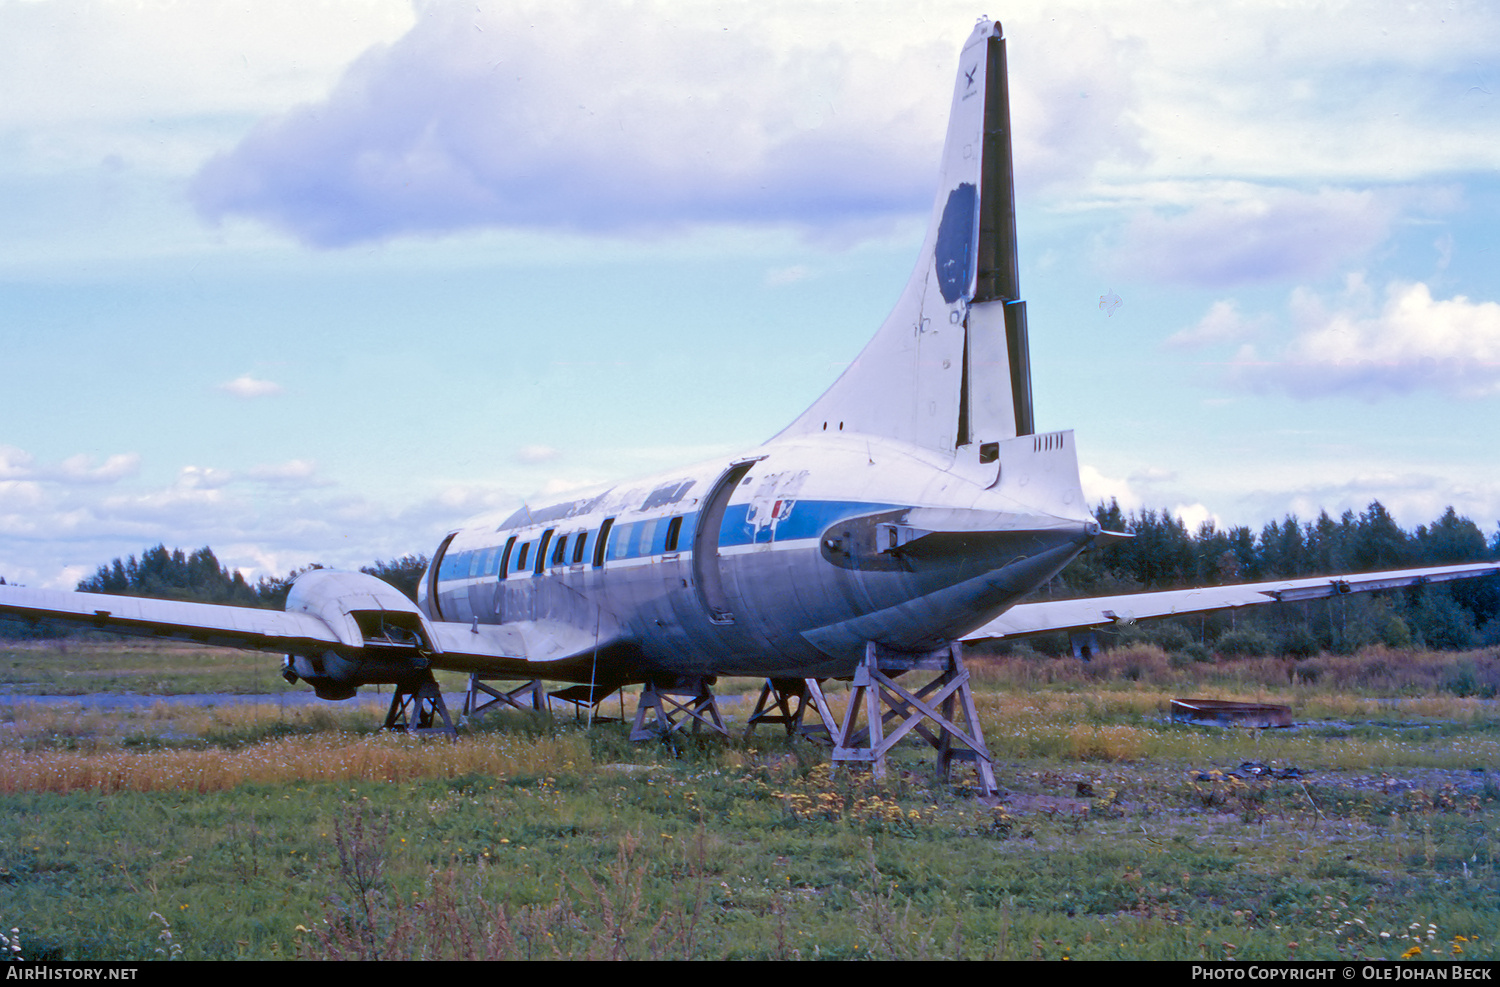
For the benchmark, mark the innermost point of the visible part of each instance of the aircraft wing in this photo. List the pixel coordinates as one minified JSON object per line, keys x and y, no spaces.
{"x":206,"y":623}
{"x":1103,"y":611}
{"x":352,"y":614}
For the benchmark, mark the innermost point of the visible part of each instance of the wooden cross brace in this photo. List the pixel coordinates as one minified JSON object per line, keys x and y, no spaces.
{"x":422,"y":697}
{"x":774,"y":706}
{"x":474,"y":705}
{"x":934,"y":702}
{"x":701,"y":709}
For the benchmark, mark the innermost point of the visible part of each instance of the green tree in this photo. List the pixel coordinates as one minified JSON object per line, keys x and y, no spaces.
{"x":404,"y":573}
{"x":1379,"y":542}
{"x":172,"y":575}
{"x":1449,"y":539}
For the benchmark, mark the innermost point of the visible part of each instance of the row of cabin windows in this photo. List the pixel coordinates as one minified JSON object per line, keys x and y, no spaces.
{"x":632,"y":544}
{"x":571,"y":548}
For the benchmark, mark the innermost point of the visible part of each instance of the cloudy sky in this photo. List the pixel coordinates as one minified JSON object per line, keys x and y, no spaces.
{"x":314,"y":280}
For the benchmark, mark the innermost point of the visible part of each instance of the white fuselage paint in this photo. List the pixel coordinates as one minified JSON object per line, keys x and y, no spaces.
{"x":819,"y":549}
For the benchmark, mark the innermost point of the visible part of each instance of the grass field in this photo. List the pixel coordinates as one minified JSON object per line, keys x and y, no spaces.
{"x":281,"y":830}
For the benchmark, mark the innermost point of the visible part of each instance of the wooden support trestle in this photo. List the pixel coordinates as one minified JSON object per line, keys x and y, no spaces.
{"x":775,"y":705}
{"x":660,"y":715}
{"x":420,"y":697}
{"x":892,"y":711}
{"x":528,"y":695}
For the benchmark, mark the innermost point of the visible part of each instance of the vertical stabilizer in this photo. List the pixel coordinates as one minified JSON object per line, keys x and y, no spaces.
{"x":949,"y":369}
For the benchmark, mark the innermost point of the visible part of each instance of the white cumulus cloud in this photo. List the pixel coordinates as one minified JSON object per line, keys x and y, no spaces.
{"x":1224,"y":323}
{"x":18,"y":464}
{"x":1406,"y":341}
{"x":513,"y":116}
{"x":81,"y":468}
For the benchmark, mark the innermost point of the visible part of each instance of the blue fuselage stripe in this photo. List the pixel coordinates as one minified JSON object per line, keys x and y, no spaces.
{"x":743,"y":524}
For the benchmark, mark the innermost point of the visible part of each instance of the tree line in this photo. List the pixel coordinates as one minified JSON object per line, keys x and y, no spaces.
{"x":1163,"y":554}
{"x":199,"y":577}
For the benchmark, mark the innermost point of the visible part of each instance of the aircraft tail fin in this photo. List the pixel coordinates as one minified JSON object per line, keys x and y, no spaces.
{"x":950,"y":369}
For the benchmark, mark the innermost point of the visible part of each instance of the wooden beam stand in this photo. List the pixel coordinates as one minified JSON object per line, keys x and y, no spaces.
{"x":527,"y":695}
{"x":660,"y":715}
{"x":892,"y":711}
{"x":421,"y":698}
{"x":776,"y":706}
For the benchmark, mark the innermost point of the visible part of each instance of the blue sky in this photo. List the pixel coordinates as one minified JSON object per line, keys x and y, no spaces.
{"x":315,"y":281}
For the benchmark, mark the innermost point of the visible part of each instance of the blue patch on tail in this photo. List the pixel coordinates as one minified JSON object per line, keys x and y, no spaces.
{"x":954,"y":253}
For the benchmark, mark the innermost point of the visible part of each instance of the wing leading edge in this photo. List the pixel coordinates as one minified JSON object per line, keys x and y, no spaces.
{"x":352,"y":615}
{"x":205,"y":623}
{"x":342,"y":627}
{"x":1103,"y":611}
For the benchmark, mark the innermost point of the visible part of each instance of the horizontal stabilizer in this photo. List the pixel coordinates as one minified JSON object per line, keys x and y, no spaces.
{"x":1102,"y":611}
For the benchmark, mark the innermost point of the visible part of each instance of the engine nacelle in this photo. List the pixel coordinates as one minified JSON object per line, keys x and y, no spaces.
{"x":383,"y":636}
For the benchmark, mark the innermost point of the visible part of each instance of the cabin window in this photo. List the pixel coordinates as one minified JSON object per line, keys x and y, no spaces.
{"x":521,"y":561}
{"x":560,"y":553}
{"x":602,"y":542}
{"x":541,"y":550}
{"x":674,"y":528}
{"x":510,"y":543}
{"x":642,"y":539}
{"x":578,"y":544}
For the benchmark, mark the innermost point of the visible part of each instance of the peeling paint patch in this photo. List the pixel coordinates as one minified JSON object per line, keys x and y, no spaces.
{"x":669,"y":494}
{"x":954,"y":251}
{"x":551,"y":512}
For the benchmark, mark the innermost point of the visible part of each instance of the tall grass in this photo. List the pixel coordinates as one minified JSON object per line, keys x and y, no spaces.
{"x":323,"y":758}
